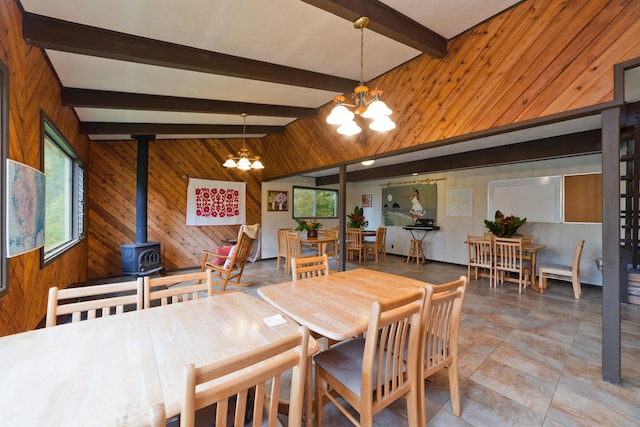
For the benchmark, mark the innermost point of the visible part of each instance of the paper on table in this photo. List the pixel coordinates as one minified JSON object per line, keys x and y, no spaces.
{"x":275,"y":320}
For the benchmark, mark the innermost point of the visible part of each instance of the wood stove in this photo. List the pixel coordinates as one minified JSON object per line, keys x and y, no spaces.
{"x":142,"y":258}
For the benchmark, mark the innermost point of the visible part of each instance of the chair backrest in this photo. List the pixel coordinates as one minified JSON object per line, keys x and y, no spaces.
{"x":479,"y":251}
{"x":89,"y":302}
{"x":294,"y":248}
{"x":390,"y":365}
{"x":575,"y":266}
{"x":309,"y":266}
{"x":381,"y":238}
{"x":241,"y":252}
{"x":281,"y":234}
{"x":250,"y":374}
{"x":441,"y":325}
{"x":163,"y":290}
{"x":354,"y":238}
{"x":527,"y":238}
{"x":508,"y":254}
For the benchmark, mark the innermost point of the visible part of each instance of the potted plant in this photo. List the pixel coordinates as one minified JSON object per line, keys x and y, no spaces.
{"x":311,"y":227}
{"x":357,"y":219}
{"x":504,"y":226}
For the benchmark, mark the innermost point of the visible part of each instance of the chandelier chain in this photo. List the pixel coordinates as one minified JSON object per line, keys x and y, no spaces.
{"x":362,"y":56}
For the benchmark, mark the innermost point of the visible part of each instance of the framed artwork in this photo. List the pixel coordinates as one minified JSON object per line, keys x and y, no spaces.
{"x":367,"y":200}
{"x":277,"y":201}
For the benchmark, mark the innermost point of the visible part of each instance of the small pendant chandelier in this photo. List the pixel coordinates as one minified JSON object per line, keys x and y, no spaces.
{"x":367,"y":103}
{"x":243,"y":160}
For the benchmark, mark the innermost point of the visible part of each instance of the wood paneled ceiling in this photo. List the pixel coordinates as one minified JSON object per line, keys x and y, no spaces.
{"x":188,"y":69}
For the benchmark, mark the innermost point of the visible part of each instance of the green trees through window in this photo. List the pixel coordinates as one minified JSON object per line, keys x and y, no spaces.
{"x":65,"y":189}
{"x":314,"y":203}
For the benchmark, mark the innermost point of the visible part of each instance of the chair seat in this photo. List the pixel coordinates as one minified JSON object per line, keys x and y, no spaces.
{"x":556,"y":269}
{"x":339,"y":361}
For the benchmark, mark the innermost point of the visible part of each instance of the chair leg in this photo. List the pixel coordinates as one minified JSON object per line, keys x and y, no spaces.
{"x":577,"y":291}
{"x":454,"y":388}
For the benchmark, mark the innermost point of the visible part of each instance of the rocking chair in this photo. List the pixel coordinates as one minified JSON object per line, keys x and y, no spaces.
{"x":233,"y":265}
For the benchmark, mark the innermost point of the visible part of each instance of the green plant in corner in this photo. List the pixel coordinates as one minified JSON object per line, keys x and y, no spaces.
{"x":357,"y":219}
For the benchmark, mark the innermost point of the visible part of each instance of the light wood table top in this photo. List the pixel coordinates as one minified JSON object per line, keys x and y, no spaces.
{"x":97,"y":372}
{"x":206,"y":330}
{"x":112,"y":370}
{"x":337,"y":306}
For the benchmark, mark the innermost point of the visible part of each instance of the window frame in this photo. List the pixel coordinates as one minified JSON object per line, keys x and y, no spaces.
{"x":78,"y":208}
{"x":4,"y":143}
{"x":315,"y":190}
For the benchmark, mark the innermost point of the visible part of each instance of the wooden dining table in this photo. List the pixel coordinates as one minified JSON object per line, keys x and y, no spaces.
{"x":319,"y":242}
{"x":113,"y":370}
{"x":337,"y":306}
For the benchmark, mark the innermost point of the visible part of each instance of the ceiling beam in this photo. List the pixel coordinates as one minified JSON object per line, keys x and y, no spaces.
{"x":50,"y":33}
{"x":73,"y":97}
{"x":586,"y":142}
{"x":388,"y":22}
{"x":107,"y":128}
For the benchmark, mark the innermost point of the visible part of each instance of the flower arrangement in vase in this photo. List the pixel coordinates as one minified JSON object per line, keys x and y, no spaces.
{"x":357,"y":219}
{"x":311,"y":227}
{"x":504,"y":226}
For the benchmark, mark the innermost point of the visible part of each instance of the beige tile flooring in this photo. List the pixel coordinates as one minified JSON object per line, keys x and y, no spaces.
{"x":525,"y":359}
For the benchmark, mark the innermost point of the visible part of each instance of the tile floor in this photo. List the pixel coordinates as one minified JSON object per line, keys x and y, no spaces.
{"x":525,"y":359}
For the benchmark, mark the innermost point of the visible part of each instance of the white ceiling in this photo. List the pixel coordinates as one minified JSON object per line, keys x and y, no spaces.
{"x":285,"y":32}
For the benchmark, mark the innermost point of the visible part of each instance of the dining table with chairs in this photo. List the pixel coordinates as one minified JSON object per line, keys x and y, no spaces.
{"x":482,"y":256}
{"x":116,"y":370}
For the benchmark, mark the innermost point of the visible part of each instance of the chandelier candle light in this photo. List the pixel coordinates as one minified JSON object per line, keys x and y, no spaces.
{"x":243,"y":160}
{"x":367,"y":103}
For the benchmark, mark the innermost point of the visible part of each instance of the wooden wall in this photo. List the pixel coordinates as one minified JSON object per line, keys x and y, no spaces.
{"x":32,"y":88}
{"x":537,"y":59}
{"x":112,"y":200}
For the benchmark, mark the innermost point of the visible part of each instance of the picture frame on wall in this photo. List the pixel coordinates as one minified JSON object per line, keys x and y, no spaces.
{"x":277,"y":201}
{"x":367,"y":200}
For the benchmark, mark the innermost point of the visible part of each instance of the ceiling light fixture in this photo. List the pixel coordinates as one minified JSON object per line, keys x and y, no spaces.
{"x":367,"y":104}
{"x":368,"y":162}
{"x":243,"y":160}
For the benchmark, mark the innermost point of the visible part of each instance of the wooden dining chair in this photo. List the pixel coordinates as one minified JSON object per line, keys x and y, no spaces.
{"x":569,"y":273}
{"x":90,"y":302}
{"x":479,"y":253}
{"x":163,"y":290}
{"x":378,"y":248}
{"x":441,"y":327}
{"x":331,"y":249}
{"x":233,"y":266}
{"x":353,"y":238}
{"x":250,"y":375}
{"x":281,"y":235}
{"x":371,"y":373}
{"x":294,"y":249}
{"x":309,"y":266}
{"x":508,"y":259}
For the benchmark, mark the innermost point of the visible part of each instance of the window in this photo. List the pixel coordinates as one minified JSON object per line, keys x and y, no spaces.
{"x":314,"y":203}
{"x":65,"y":189}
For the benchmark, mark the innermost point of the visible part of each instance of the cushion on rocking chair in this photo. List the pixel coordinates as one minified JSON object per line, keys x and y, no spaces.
{"x":223,"y":250}
{"x":227,"y":262}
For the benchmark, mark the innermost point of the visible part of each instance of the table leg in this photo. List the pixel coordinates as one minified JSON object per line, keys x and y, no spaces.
{"x":534,"y":285}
